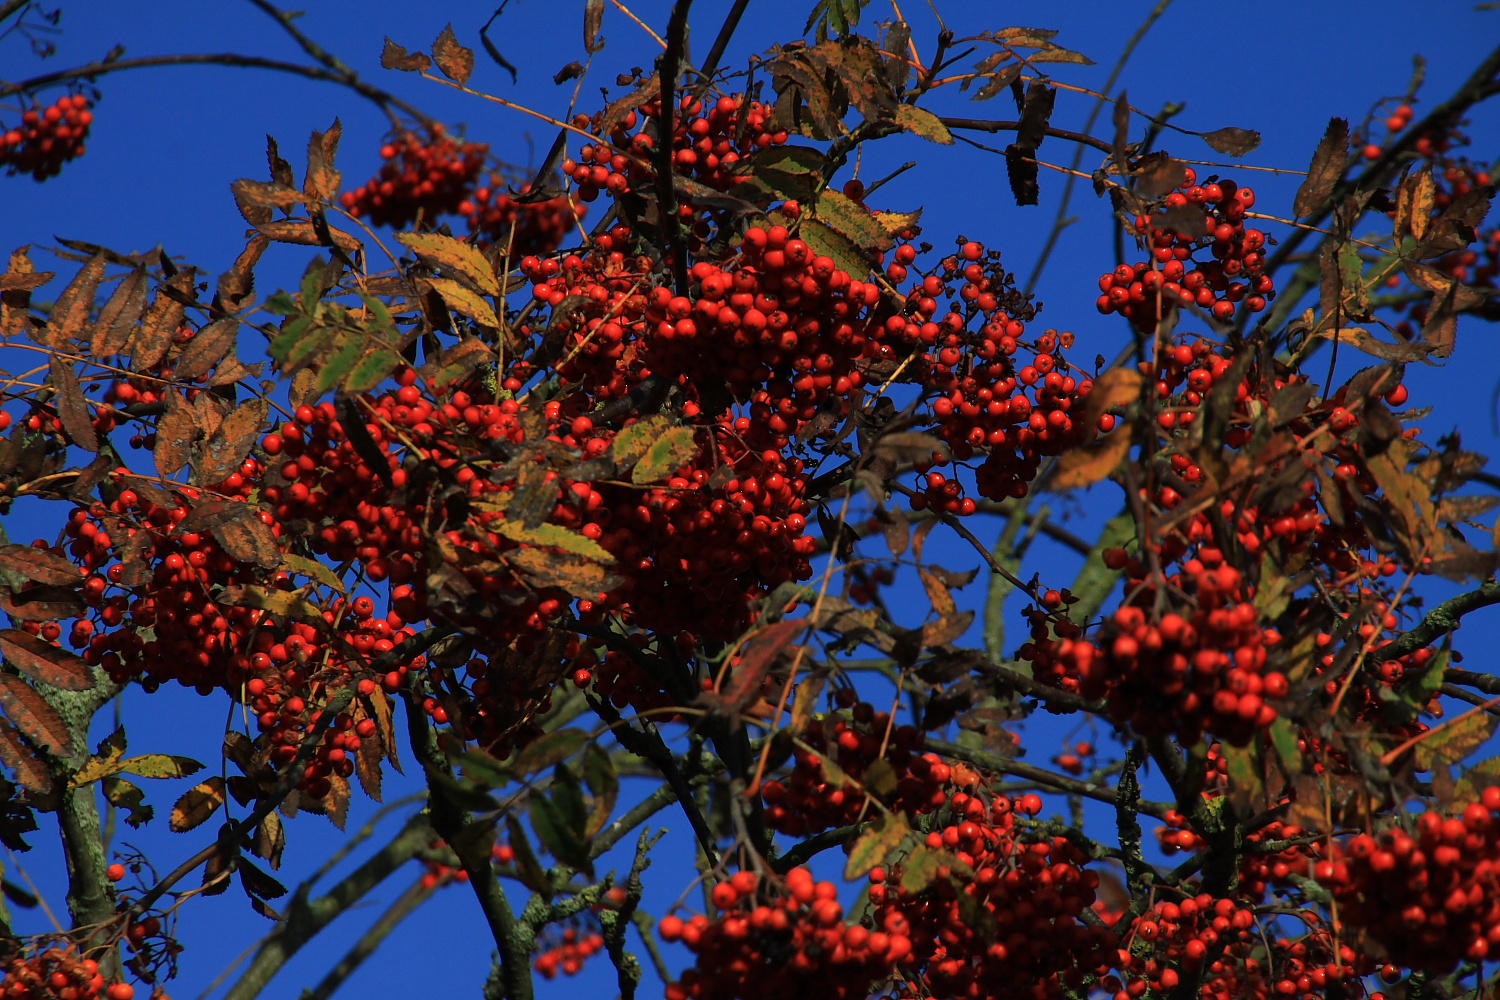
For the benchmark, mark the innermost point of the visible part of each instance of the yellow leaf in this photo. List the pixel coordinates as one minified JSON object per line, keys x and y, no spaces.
{"x":1086,"y":466}
{"x":461,"y":300}
{"x":462,"y":257}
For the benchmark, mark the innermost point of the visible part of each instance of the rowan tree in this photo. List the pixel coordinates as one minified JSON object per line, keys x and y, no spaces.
{"x":632,"y":465}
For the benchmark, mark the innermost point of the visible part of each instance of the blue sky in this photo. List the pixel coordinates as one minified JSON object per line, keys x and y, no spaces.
{"x":167,"y":142}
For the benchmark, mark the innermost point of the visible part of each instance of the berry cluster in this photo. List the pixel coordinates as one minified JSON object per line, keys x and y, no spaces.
{"x":422,"y":177}
{"x":1004,"y":920}
{"x":789,"y":944}
{"x":48,"y":138}
{"x":1146,"y":292}
{"x":523,"y":227}
{"x":57,"y":973}
{"x":706,"y":145}
{"x":1431,"y":900}
{"x":807,"y":802}
{"x":567,"y":953}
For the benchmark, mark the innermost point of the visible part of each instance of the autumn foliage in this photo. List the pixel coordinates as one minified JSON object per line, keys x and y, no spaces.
{"x":613,"y":472}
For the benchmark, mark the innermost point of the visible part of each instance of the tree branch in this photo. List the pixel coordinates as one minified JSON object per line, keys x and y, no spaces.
{"x":1004,"y":765}
{"x":94,"y":70}
{"x":982,"y":125}
{"x":404,"y":906}
{"x":1438,"y":622}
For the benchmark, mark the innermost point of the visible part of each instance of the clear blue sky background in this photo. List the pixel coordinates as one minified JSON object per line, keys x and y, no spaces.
{"x":167,"y":142}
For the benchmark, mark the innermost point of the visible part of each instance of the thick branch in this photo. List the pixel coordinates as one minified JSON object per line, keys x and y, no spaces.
{"x":1438,"y":622}
{"x":404,"y":906}
{"x":449,"y":820}
{"x":666,"y":196}
{"x":304,"y":919}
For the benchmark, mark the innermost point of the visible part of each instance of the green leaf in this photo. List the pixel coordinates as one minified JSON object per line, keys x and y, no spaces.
{"x":530,"y":870}
{"x":1284,"y":741}
{"x":920,"y":121}
{"x":667,"y":454}
{"x":123,"y":795}
{"x":554,"y":536}
{"x":875,"y":844}
{"x":1096,"y":581}
{"x":920,"y":868}
{"x":373,"y":369}
{"x":482,"y":768}
{"x":599,"y":775}
{"x":566,"y":844}
{"x":826,"y":241}
{"x":548,"y":750}
{"x":849,"y":217}
{"x":1457,"y":741}
{"x":346,"y":351}
{"x":313,"y":570}
{"x":632,"y":442}
{"x":1245,"y":786}
{"x":567,"y":796}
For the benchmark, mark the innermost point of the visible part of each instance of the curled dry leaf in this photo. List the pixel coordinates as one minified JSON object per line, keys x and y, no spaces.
{"x":456,"y":62}
{"x":1086,"y":466}
{"x":1327,"y":166}
{"x":394,"y":56}
{"x":72,"y":407}
{"x":1232,"y":141}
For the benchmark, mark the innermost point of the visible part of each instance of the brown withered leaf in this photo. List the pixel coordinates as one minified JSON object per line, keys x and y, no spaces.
{"x":36,"y":719}
{"x":249,"y":540}
{"x":159,"y":325}
{"x":236,"y":285}
{"x":303,"y":233}
{"x":210,"y":514}
{"x":72,"y":408}
{"x":946,"y":629}
{"x":1466,"y":508}
{"x":225,"y":450}
{"x":175,"y":433}
{"x":270,"y":840}
{"x":74,"y":304}
{"x":117,"y":319}
{"x":1031,"y":130}
{"x":1185,"y":220}
{"x":39,"y":565}
{"x":576,"y":575}
{"x":207,"y":348}
{"x":1232,"y":141}
{"x":1441,"y":328}
{"x":321,"y":182}
{"x":937,"y":593}
{"x":263,"y":194}
{"x":756,"y":660}
{"x":394,"y":56}
{"x":1086,"y":466}
{"x":1158,"y":174}
{"x":909,"y":446}
{"x":197,"y":805}
{"x":1414,"y":203}
{"x":1022,"y":172}
{"x":1366,"y":341}
{"x":1458,"y":226}
{"x":42,"y":661}
{"x":42,"y":604}
{"x":30,"y":770}
{"x":1327,"y":166}
{"x":150,"y":491}
{"x":15,"y":301}
{"x":456,"y":62}
{"x":593,"y":20}
{"x":1116,"y":387}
